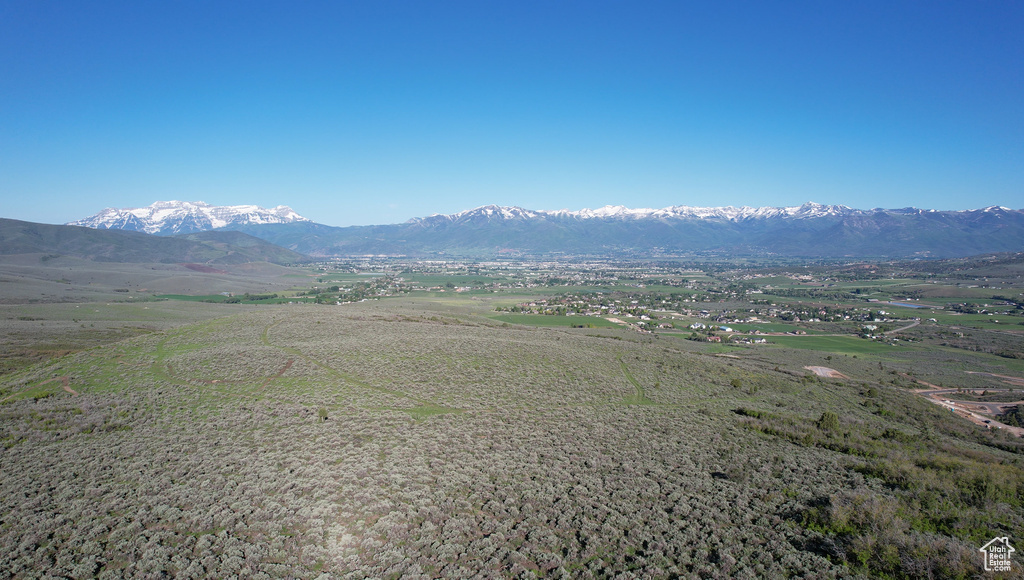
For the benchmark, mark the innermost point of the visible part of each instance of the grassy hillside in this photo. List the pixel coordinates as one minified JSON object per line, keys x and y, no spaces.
{"x":58,"y":305}
{"x":241,"y":248}
{"x":18,"y":237}
{"x":415,"y":437}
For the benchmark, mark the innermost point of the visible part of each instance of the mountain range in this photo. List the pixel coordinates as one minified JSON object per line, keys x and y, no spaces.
{"x":808,"y":210}
{"x":183,"y":217}
{"x":808,"y":230}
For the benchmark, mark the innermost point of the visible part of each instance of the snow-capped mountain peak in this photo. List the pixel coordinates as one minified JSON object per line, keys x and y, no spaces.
{"x":177,"y":217}
{"x":479,"y":214}
{"x":617,"y":212}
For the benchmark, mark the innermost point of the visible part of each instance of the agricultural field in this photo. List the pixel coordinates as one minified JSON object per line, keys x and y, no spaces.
{"x":544,"y":320}
{"x":419,"y":433}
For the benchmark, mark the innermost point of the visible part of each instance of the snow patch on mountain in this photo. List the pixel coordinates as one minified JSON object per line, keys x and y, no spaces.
{"x":730,"y":213}
{"x":807,"y":210}
{"x":179,"y":217}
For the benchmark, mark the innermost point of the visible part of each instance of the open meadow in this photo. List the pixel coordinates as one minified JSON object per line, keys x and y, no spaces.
{"x":424,"y":434}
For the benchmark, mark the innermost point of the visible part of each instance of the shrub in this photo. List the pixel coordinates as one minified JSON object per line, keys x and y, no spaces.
{"x":828,"y":421}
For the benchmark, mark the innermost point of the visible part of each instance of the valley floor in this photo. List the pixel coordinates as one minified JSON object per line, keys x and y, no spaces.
{"x":417,"y":438}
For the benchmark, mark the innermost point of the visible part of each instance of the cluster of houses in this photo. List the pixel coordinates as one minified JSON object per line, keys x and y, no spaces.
{"x":597,"y":306}
{"x":734,"y":338}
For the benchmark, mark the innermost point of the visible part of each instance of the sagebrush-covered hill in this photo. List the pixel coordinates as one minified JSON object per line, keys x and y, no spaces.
{"x":217,"y":247}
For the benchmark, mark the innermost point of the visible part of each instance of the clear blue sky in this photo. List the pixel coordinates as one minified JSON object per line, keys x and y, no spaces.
{"x":376,"y":112}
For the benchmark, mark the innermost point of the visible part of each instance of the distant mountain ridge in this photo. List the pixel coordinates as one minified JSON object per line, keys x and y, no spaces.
{"x":808,"y":230}
{"x":183,"y":217}
{"x":807,"y":210}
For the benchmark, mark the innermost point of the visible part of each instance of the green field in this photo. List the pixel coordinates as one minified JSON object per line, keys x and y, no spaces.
{"x":238,"y":299}
{"x":993,"y":322}
{"x":430,"y":280}
{"x":837,"y":344}
{"x":771,"y":327}
{"x":553,"y":321}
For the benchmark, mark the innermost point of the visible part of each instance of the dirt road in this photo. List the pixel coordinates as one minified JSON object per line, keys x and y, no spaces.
{"x":901,"y":329}
{"x":975,"y":418}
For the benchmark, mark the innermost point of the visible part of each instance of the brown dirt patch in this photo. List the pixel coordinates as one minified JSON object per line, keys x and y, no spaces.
{"x":827,"y":372}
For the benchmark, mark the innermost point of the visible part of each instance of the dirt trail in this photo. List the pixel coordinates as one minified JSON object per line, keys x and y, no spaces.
{"x":65,"y":382}
{"x":920,"y":382}
{"x":349,"y":378}
{"x":640,"y":397}
{"x":287,"y":366}
{"x":907,"y":327}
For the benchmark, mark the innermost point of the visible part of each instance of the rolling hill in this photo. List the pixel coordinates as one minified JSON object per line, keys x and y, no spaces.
{"x":215,"y":247}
